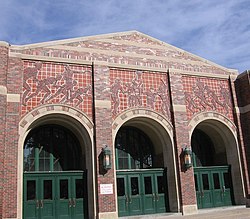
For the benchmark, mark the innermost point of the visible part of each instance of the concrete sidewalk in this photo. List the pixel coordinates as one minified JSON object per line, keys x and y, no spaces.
{"x":233,"y":212}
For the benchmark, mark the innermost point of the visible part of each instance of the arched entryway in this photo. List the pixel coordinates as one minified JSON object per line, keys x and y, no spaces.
{"x":145,"y":168}
{"x":57,"y":166}
{"x":54,"y":175}
{"x":217,"y":169}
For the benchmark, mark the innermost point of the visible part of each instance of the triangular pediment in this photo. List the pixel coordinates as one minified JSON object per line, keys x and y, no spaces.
{"x":130,"y":44}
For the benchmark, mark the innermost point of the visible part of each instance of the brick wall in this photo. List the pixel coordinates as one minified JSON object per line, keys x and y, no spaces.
{"x":4,"y":50}
{"x":242,"y":93}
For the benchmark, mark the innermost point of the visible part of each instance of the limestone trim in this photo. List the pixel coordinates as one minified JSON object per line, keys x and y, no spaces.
{"x":14,"y":98}
{"x":3,"y":90}
{"x":140,"y":112}
{"x":242,"y":110}
{"x":198,"y":73}
{"x":198,"y":118}
{"x":66,"y":115}
{"x":50,"y":59}
{"x":111,"y":36}
{"x":4,"y":43}
{"x":189,"y":209}
{"x":179,"y":108}
{"x":108,"y":215}
{"x":103,"y":104}
{"x":118,"y":65}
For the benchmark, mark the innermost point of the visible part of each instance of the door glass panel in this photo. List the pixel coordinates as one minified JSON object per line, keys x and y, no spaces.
{"x":47,"y":189}
{"x":31,"y":190}
{"x":134,"y":186}
{"x":148,"y":185}
{"x":216,"y":180}
{"x":205,"y":182}
{"x":196,"y":182}
{"x":64,"y":189}
{"x":79,"y":188}
{"x":226,"y":180}
{"x":120,"y":187}
{"x":160,"y":184}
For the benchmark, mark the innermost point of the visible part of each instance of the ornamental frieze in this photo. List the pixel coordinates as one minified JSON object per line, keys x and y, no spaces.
{"x":207,"y":95}
{"x":45,"y":83}
{"x":138,"y":89}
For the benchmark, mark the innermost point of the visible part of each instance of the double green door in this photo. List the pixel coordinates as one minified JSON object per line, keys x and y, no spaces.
{"x":213,"y":186}
{"x":54,"y":195}
{"x":141,"y":192}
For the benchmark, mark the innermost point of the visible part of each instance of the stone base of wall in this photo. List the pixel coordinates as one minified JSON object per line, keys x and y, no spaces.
{"x":248,"y":202}
{"x":189,"y":209}
{"x":108,"y":215}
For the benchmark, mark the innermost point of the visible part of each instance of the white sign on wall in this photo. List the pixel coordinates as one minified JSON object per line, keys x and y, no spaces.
{"x":106,"y":189}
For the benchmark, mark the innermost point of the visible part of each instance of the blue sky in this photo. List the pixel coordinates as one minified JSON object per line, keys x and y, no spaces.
{"x":217,"y":30}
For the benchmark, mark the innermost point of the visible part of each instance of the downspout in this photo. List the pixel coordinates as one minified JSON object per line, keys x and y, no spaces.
{"x":94,"y":140}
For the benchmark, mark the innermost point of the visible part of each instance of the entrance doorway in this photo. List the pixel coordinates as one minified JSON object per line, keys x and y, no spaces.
{"x":212,"y":174}
{"x":54,"y":180}
{"x":213,"y":186}
{"x":141,"y":192}
{"x":54,"y":195}
{"x":141,"y":178}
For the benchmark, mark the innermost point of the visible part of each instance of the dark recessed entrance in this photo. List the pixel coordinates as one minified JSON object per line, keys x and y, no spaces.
{"x":141,"y":184}
{"x":212,"y":174}
{"x":54,"y":180}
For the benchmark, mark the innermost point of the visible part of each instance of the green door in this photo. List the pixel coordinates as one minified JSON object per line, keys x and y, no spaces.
{"x":55,"y":195}
{"x":153,"y":193}
{"x":39,"y":197}
{"x":213,"y":186}
{"x":134,"y":194}
{"x":141,"y":192}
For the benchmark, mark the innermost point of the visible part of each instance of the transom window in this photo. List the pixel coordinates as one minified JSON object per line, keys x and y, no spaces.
{"x":134,"y":150}
{"x":51,"y":148}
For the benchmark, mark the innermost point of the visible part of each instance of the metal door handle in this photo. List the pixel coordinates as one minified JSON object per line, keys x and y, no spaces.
{"x":70,"y":204}
{"x":130,"y":200}
{"x":126,"y":198}
{"x":37,"y":204}
{"x":74,"y":202}
{"x":202,"y":193}
{"x":157,"y":197}
{"x":153,"y":194}
{"x":41,"y":204}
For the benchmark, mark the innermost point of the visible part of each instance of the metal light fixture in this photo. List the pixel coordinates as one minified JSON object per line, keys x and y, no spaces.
{"x":187,"y":153}
{"x":106,"y":156}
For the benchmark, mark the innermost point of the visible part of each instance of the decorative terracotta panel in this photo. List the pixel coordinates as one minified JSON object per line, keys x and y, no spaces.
{"x":207,"y":94}
{"x":131,"y":89}
{"x":45,"y":83}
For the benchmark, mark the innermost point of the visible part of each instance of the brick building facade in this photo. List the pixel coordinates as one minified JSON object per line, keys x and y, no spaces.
{"x":147,"y":101}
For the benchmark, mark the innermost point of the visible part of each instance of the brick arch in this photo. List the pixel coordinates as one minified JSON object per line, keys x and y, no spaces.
{"x":200,"y":117}
{"x":61,"y":109}
{"x":141,"y":112}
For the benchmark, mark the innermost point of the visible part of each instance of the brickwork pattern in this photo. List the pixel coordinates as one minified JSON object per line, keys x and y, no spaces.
{"x":130,"y":89}
{"x":158,"y":55}
{"x":46,"y":83}
{"x":103,"y":119}
{"x":207,"y":94}
{"x":3,"y":106}
{"x":14,"y":86}
{"x":180,"y":123}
